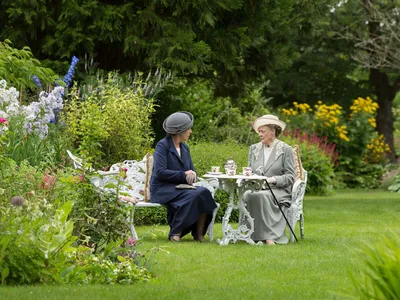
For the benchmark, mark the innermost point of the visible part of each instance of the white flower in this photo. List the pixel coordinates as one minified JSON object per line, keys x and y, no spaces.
{"x":38,"y":114}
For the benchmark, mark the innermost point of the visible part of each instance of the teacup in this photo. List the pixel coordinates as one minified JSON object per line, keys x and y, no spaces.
{"x":215,"y":169}
{"x":247,"y":171}
{"x":230,"y":172}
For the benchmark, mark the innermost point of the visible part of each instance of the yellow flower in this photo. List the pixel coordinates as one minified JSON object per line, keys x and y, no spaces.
{"x":363,"y":105}
{"x":377,"y":149}
{"x":372,"y":121}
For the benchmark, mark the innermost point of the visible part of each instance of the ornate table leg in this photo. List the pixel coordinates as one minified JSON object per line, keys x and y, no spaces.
{"x":243,"y":232}
{"x":228,"y":186}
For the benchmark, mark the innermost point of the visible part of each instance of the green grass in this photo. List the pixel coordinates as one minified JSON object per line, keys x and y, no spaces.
{"x":318,"y":267}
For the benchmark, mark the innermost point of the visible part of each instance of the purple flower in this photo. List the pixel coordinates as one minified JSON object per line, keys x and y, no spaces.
{"x":37,"y":81}
{"x":71,"y":71}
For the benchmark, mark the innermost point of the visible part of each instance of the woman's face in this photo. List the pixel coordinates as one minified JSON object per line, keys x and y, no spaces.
{"x":266,"y":134}
{"x":185,"y":135}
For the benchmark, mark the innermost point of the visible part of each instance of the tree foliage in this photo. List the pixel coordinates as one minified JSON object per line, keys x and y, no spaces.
{"x":368,"y":24}
{"x":232,"y":41}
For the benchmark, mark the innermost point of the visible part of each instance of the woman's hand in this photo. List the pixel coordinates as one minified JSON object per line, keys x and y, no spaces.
{"x":271,"y":180}
{"x":191,"y":176}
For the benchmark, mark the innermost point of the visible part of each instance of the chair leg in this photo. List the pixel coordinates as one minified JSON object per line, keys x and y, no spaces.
{"x":292,"y":221}
{"x":302,"y":225}
{"x":132,"y":223}
{"x":210,"y":229}
{"x":293,"y":225}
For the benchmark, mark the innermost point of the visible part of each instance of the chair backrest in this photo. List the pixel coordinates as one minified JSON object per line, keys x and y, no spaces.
{"x":149,"y":168}
{"x":297,"y":163}
{"x":77,"y":162}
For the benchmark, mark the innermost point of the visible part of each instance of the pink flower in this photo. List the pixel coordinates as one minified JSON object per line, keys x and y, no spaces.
{"x":4,"y":121}
{"x":48,"y":181}
{"x":131,"y":241}
{"x":122,"y":172}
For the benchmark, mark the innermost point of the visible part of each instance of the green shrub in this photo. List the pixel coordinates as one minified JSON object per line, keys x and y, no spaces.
{"x":37,"y":246}
{"x":380,"y":270}
{"x":151,"y":216}
{"x":34,"y":239}
{"x":368,"y":176}
{"x":317,"y":163}
{"x":17,"y":180}
{"x":47,"y":217}
{"x":111,"y":123}
{"x":395,"y":187}
{"x":116,"y":264}
{"x":99,"y":217}
{"x":216,"y":119}
{"x":207,"y":154}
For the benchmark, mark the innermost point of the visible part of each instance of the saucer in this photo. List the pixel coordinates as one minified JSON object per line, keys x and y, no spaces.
{"x":214,"y":173}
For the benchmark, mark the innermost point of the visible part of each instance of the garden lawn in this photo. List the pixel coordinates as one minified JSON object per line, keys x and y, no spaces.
{"x":318,"y":267}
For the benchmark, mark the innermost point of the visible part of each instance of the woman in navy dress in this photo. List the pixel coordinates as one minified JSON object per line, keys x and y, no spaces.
{"x":189,"y":210}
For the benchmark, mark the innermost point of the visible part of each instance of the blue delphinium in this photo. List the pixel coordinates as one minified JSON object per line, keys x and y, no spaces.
{"x":36,"y":80}
{"x":71,"y":71}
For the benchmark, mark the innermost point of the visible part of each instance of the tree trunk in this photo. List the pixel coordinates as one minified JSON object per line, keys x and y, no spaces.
{"x":385,"y":95}
{"x":383,"y":91}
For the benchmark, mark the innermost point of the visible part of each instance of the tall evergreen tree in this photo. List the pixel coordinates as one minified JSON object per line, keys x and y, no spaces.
{"x":230,"y":41}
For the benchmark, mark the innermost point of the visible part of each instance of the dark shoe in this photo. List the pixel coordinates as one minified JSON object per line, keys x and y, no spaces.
{"x":201,"y":239}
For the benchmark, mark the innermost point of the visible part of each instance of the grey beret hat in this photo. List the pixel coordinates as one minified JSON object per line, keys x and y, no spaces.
{"x":178,"y":122}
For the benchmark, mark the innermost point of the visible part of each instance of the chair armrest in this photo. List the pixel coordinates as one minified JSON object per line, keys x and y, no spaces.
{"x":211,"y":184}
{"x":298,"y":191}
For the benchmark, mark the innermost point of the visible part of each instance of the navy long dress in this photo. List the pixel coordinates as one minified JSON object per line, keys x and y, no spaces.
{"x":184,"y":206}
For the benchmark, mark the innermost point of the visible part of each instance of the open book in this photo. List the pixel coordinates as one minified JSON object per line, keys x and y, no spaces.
{"x":185,"y":186}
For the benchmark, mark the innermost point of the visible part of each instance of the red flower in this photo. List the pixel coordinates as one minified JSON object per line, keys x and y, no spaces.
{"x":4,"y":121}
{"x":48,"y":181}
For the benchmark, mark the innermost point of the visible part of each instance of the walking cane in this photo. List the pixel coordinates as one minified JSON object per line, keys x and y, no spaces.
{"x":277,"y":203}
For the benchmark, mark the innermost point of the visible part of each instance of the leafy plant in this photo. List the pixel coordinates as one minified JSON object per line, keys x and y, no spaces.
{"x":116,"y":264}
{"x":42,"y":236}
{"x":395,"y":187}
{"x":18,"y":66}
{"x":17,"y":179}
{"x":37,"y":247}
{"x":380,"y":270}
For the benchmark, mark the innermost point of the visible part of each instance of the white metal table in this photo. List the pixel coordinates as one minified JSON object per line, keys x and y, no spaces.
{"x":239,"y":184}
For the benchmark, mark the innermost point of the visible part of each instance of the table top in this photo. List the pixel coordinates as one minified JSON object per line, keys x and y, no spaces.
{"x":239,"y":176}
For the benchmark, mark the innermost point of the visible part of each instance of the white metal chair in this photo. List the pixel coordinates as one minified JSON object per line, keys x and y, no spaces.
{"x":134,"y":185}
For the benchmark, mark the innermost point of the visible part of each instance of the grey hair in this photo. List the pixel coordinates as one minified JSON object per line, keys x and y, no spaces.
{"x":278,"y":129}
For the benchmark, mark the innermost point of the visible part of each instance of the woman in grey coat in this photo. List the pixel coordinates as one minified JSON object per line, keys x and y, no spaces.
{"x":274,"y":159}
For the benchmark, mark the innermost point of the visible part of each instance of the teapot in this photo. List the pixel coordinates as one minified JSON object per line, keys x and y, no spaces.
{"x":230,"y":165}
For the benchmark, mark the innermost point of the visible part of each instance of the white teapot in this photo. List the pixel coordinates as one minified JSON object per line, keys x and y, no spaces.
{"x":230,"y":165}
